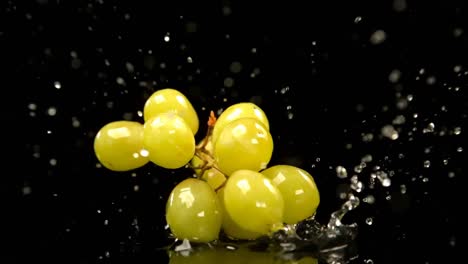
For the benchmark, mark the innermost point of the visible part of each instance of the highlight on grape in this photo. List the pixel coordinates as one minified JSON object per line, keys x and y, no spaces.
{"x":234,"y":191}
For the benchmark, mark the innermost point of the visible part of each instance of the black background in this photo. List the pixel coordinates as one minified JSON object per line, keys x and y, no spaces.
{"x":317,"y":57}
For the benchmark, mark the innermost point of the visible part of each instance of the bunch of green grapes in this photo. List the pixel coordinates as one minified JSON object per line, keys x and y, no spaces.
{"x":234,"y":191}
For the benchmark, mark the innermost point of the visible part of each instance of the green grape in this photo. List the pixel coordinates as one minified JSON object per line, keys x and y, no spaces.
{"x":213,"y":176}
{"x":171,"y":100}
{"x":299,"y":191}
{"x":238,"y":111}
{"x":193,"y":211}
{"x":253,"y":202}
{"x":169,"y":141}
{"x":243,"y":144}
{"x":119,"y":146}
{"x":230,"y":228}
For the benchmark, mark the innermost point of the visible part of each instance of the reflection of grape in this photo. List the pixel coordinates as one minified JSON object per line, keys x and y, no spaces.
{"x":119,"y":146}
{"x":243,"y":144}
{"x":238,"y":111}
{"x":169,"y":141}
{"x":300,"y":194}
{"x":206,"y":256}
{"x":238,"y":256}
{"x":171,"y":101}
{"x":193,"y":211}
{"x":253,"y":202}
{"x":230,"y":228}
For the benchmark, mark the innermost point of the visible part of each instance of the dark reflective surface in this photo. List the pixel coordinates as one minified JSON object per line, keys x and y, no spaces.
{"x":378,"y":88}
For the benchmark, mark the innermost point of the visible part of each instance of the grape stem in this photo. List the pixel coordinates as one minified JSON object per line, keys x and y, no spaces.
{"x":203,"y":154}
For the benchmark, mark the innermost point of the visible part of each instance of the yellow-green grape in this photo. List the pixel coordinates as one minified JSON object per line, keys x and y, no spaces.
{"x":300,"y":193}
{"x":230,"y":228}
{"x":243,"y":144}
{"x":253,"y":202}
{"x":193,"y":211}
{"x":238,"y":111}
{"x":119,"y":146}
{"x":171,"y":100}
{"x":169,"y":141}
{"x":213,"y":176}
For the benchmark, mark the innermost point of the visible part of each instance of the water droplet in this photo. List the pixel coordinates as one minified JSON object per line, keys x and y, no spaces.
{"x":383,"y":178}
{"x":394,"y":76}
{"x":356,"y":184}
{"x":52,"y":111}
{"x":451,"y":174}
{"x":431,"y":80}
{"x":399,"y":120}
{"x":457,"y":130}
{"x":284,"y":90}
{"x":357,"y":19}
{"x":452,"y":241}
{"x":358,"y":168}
{"x":26,"y":190}
{"x":389,"y":132}
{"x":167,"y":38}
{"x":368,"y":137}
{"x":367,"y":158}
{"x":429,"y":129}
{"x":398,"y":6}
{"x":106,"y":222}
{"x":427,"y":150}
{"x":57,"y":85}
{"x":226,"y":10}
{"x":129,"y":67}
{"x":457,"y":68}
{"x":370,"y":199}
{"x":235,"y":67}
{"x":425,"y":179}
{"x":402,"y":189}
{"x":378,"y":37}
{"x":228,"y":82}
{"x":32,"y":106}
{"x":290,"y":115}
{"x":120,"y":81}
{"x":75,"y":122}
{"x":255,"y":72}
{"x":457,"y":32}
{"x":341,"y":172}
{"x":369,"y":221}
{"x":184,"y":246}
{"x":53,"y":162}
{"x":459,"y":149}
{"x":136,"y":188}
{"x":427,"y":163}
